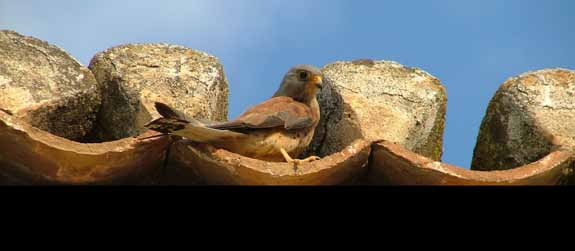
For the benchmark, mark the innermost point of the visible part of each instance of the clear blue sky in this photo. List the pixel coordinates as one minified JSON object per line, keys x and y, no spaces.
{"x":472,"y":46}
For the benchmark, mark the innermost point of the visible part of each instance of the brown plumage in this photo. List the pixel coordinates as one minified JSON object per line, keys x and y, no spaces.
{"x":273,"y":130}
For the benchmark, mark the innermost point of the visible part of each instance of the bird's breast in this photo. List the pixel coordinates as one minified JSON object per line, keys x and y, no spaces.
{"x":266,"y":144}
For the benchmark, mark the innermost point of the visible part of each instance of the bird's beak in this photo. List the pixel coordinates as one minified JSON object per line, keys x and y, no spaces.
{"x":317,"y":81}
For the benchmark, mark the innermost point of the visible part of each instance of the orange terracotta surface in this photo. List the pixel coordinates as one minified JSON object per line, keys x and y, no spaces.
{"x":392,"y":164}
{"x":218,"y":166}
{"x":37,"y":157}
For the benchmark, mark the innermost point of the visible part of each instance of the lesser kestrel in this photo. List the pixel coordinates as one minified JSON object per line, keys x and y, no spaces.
{"x":275,"y":130}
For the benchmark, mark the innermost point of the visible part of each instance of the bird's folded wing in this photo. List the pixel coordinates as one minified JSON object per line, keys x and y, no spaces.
{"x":275,"y":112}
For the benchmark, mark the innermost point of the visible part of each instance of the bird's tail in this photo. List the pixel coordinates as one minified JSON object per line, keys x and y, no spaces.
{"x":175,"y":123}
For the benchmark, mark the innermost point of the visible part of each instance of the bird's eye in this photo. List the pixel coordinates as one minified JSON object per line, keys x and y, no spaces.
{"x":303,"y":75}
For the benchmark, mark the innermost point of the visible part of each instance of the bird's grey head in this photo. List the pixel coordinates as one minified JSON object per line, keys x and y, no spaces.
{"x":301,"y":82}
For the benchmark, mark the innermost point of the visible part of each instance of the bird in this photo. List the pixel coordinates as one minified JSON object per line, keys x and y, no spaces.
{"x":278,"y":129}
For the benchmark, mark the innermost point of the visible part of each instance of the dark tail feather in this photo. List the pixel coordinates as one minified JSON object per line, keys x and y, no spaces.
{"x":168,"y":112}
{"x":193,"y":131}
{"x":175,"y":123}
{"x":171,"y":120}
{"x":167,"y":125}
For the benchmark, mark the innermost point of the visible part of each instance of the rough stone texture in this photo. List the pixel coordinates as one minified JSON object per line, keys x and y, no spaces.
{"x":133,"y":76}
{"x":46,"y":87}
{"x":529,"y":115}
{"x":380,"y":100}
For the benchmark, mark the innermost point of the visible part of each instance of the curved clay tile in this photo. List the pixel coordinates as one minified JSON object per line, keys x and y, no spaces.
{"x":34,"y":156}
{"x":392,"y":164}
{"x":218,"y":166}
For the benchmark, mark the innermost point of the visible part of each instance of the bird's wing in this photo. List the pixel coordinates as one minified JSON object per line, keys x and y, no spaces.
{"x":275,"y":112}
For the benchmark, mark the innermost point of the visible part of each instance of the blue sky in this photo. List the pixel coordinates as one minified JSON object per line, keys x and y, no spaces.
{"x":472,"y":46}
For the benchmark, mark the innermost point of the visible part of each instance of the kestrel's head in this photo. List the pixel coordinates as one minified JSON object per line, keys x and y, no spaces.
{"x":301,"y":82}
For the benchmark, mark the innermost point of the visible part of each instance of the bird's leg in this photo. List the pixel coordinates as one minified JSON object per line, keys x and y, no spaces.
{"x":289,"y":159}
